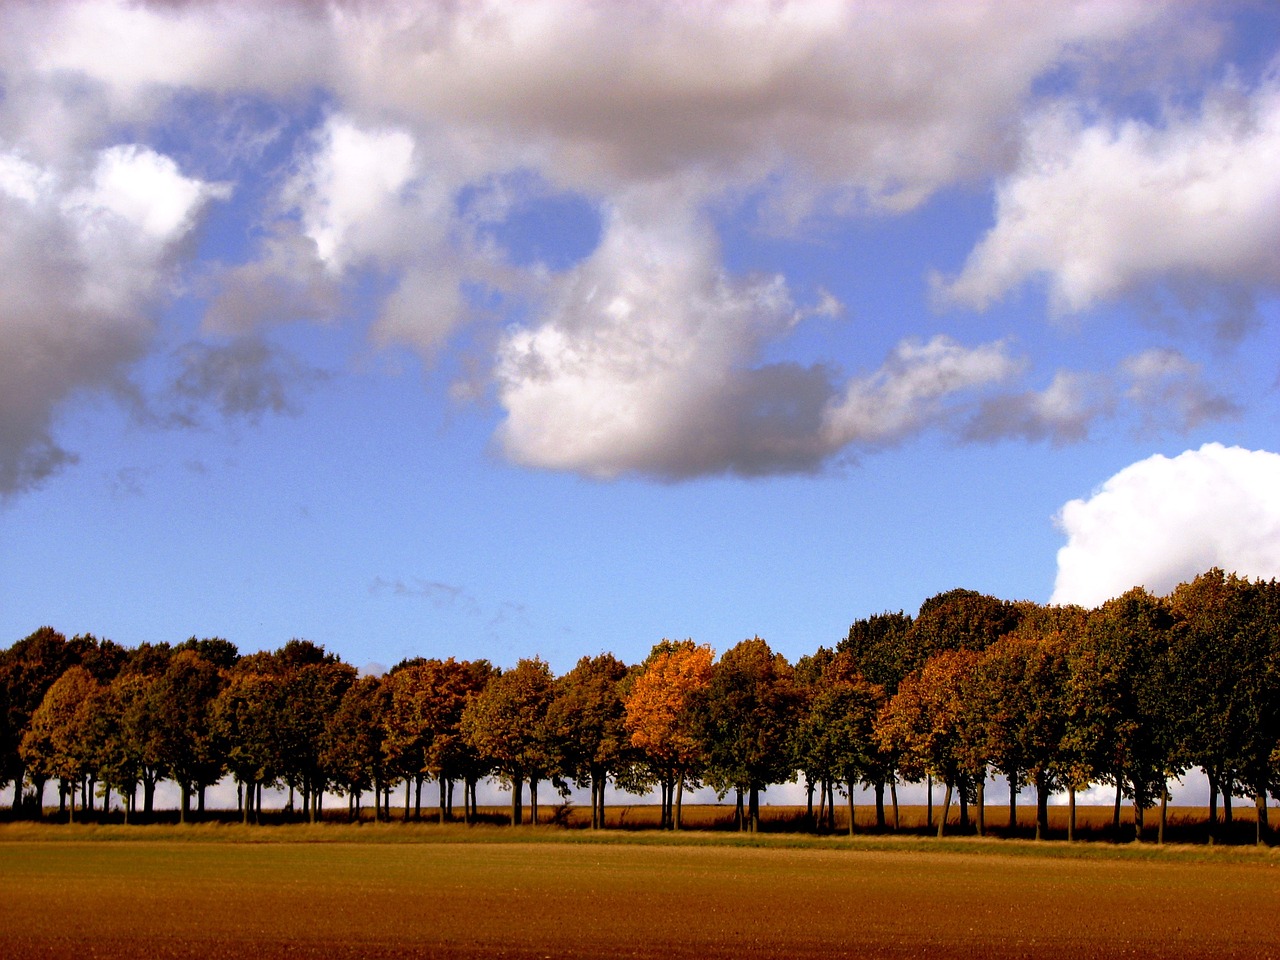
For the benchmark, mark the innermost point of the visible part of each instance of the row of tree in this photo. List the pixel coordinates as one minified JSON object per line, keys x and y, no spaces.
{"x":1130,"y":694}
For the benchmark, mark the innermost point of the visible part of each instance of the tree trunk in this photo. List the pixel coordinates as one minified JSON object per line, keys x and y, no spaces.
{"x":1042,"y":808}
{"x":200,"y":801}
{"x":244,"y":797}
{"x":1071,"y":813}
{"x":808,"y":793}
{"x":417,"y":798}
{"x":408,"y":785}
{"x":1013,"y":804}
{"x":679,"y":818}
{"x":448,"y":800}
{"x":737,"y":814}
{"x":982,"y":804}
{"x":879,"y":804}
{"x":964,"y":807}
{"x":444,"y":798}
{"x":1115,"y":814}
{"x":1262,"y":826}
{"x":1213,"y":806}
{"x":928,"y":816}
{"x":184,"y":806}
{"x":62,"y":797}
{"x":893,"y":795}
{"x":533,"y":800}
{"x":822,"y":805}
{"x":1164,"y":810}
{"x":849,"y":785}
{"x":753,"y":809}
{"x":1226,"y":811}
{"x":946,"y":807}
{"x":517,"y":800}
{"x":1139,"y":821}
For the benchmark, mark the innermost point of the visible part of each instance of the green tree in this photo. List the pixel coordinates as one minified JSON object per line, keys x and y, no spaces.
{"x":506,"y":723}
{"x":744,"y":717}
{"x":834,"y":736}
{"x":587,"y":722}
{"x":244,"y":718}
{"x":192,"y":753}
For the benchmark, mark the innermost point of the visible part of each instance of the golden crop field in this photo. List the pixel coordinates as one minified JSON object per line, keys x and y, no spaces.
{"x":423,"y":891}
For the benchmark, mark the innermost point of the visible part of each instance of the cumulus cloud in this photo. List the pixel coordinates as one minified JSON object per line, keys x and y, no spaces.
{"x":82,"y":257}
{"x":1163,"y":520}
{"x":649,"y":363}
{"x":646,"y":355}
{"x":1061,"y":413}
{"x":1099,"y":209}
{"x":917,"y":386}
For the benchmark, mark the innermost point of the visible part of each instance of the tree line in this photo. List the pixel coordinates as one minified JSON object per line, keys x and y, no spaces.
{"x":1130,"y":694}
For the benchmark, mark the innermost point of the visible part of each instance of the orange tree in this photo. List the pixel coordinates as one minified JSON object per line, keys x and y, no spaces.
{"x":659,"y":719}
{"x":932,"y":726}
{"x":352,"y":753}
{"x":60,"y":742}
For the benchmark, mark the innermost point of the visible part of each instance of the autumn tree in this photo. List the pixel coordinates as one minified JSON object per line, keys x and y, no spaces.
{"x":60,"y":741}
{"x":660,"y":721}
{"x":507,"y":724}
{"x":933,"y":726}
{"x":244,"y":717}
{"x":27,"y":670}
{"x":587,"y":720}
{"x":353,"y":752}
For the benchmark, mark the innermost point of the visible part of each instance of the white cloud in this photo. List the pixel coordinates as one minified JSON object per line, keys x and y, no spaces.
{"x":81,"y":258}
{"x":644,"y":357}
{"x":1162,"y":521}
{"x":1100,"y":209}
{"x":913,"y":389}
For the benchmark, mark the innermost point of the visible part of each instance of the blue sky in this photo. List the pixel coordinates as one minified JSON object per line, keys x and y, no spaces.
{"x":560,"y":328}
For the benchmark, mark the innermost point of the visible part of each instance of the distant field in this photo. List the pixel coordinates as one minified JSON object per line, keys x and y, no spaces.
{"x":207,"y":892}
{"x":1186,"y":824}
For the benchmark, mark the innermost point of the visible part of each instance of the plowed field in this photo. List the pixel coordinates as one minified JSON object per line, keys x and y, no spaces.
{"x":165,"y":898}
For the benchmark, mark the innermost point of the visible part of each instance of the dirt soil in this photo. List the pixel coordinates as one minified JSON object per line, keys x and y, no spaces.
{"x":336,"y":900}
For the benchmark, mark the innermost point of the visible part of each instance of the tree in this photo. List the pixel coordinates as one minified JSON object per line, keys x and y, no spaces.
{"x":660,"y":721}
{"x":932,"y":725}
{"x":309,"y":692}
{"x":27,"y":670}
{"x":834,"y":737}
{"x":507,"y":724}
{"x":191,"y":752}
{"x":1122,"y":706}
{"x":587,"y":722}
{"x":1022,"y":679}
{"x":244,"y":717}
{"x":61,"y":742}
{"x":1225,"y":653}
{"x":744,"y":717}
{"x":353,"y":753}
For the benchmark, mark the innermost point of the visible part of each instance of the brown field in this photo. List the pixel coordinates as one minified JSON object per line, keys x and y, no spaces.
{"x":423,"y":891}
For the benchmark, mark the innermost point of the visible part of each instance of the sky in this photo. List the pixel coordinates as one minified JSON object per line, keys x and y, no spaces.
{"x":501,"y":330}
